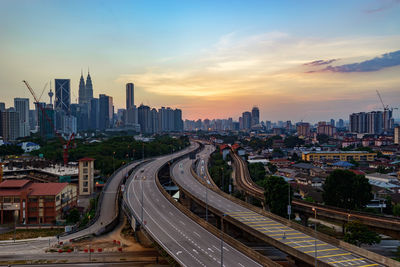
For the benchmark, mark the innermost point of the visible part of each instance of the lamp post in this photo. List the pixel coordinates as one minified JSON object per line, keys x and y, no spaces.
{"x":315,"y":240}
{"x":222,"y":240}
{"x":289,"y":208}
{"x":113,"y":161}
{"x":142,"y":200}
{"x":15,"y":221}
{"x":206,"y":201}
{"x":222,"y":179}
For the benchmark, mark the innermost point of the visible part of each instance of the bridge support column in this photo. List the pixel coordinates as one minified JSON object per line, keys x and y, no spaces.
{"x":304,"y":219}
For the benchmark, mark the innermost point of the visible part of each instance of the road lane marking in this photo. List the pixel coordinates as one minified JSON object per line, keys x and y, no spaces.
{"x":374,"y":264}
{"x":329,"y":249}
{"x":305,"y":246}
{"x":336,"y":255}
{"x":357,"y":259}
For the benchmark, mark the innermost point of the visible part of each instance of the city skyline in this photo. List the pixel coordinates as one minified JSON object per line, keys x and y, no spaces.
{"x":242,"y":55}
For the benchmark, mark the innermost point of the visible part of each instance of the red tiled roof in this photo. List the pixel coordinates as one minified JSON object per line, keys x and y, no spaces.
{"x":357,"y":172}
{"x":13,"y":183}
{"x":46,"y":189}
{"x":86,"y":159}
{"x":222,"y":147}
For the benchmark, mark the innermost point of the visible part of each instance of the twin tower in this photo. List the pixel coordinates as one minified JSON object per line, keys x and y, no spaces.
{"x":85,"y":90}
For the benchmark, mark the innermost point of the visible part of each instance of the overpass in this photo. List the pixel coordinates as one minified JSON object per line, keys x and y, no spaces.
{"x":295,"y":240}
{"x":388,"y":225}
{"x":182,"y":238}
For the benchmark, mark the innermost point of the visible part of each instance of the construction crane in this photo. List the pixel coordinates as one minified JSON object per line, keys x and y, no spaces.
{"x":66,"y":145}
{"x":385,"y":108}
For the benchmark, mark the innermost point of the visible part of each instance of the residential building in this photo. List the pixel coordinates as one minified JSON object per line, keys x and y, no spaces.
{"x":10,"y":125}
{"x":21,"y":105}
{"x":35,"y":203}
{"x":303,"y":129}
{"x":397,"y":135}
{"x":130,"y":96}
{"x":255,"y":116}
{"x":325,"y":128}
{"x":316,"y":156}
{"x":86,"y":176}
{"x":246,"y":117}
{"x":106,"y":112}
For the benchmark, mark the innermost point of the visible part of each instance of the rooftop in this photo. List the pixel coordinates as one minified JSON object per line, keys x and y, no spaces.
{"x":13,"y":183}
{"x":87,"y":159}
{"x":337,"y":152}
{"x":33,"y":189}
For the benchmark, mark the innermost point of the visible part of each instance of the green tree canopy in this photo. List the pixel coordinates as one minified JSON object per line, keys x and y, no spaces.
{"x":345,"y":189}
{"x":257,"y":171}
{"x":276,"y":195}
{"x":396,"y":210}
{"x":322,"y":138}
{"x":292,"y":141}
{"x":358,"y":234}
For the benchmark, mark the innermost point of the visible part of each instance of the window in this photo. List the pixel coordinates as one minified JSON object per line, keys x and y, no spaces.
{"x":16,"y":199}
{"x":85,"y":164}
{"x":7,"y":200}
{"x":85,"y":170}
{"x":85,"y":184}
{"x":85,"y":189}
{"x":57,"y":198}
{"x":48,"y":199}
{"x":33,"y":209}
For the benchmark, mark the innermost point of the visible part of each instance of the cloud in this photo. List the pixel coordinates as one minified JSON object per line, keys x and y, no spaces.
{"x":319,"y":62}
{"x":384,"y":61}
{"x":383,"y":5}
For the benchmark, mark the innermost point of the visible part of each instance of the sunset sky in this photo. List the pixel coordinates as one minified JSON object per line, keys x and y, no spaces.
{"x":295,"y":60}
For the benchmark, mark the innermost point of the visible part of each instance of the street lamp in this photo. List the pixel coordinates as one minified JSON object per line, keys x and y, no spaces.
{"x":222,"y":240}
{"x":113,"y":161}
{"x":315,"y":229}
{"x":289,"y":208}
{"x":206,"y":202}
{"x":222,"y":178}
{"x":142,"y":200}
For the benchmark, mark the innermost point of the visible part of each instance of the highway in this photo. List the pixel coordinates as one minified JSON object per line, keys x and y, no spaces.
{"x":326,"y":253}
{"x":186,"y":241}
{"x":108,"y":212}
{"x":201,"y":168}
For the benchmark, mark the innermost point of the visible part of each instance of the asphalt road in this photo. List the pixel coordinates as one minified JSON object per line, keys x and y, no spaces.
{"x":107,"y":213}
{"x":265,"y":226}
{"x":186,"y":241}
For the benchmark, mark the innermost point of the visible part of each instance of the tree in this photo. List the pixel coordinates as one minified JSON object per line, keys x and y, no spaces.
{"x":73,"y":216}
{"x":345,"y":189}
{"x":257,"y":171}
{"x":396,"y":210}
{"x":272,"y":168}
{"x":358,"y":234}
{"x":292,"y":141}
{"x":276,"y":195}
{"x":322,"y":138}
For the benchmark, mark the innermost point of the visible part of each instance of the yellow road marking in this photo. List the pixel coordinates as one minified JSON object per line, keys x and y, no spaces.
{"x":260,"y":221}
{"x":358,"y":259}
{"x":374,"y":264}
{"x":264,"y":224}
{"x":287,"y":234}
{"x":274,"y":231}
{"x":305,"y":246}
{"x":302,"y":241}
{"x":321,"y":250}
{"x":326,"y":256}
{"x":296,"y":237}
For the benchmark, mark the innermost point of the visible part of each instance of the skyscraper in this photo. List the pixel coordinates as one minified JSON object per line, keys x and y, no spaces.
{"x":178,"y":122}
{"x":106,"y":112}
{"x":130,"y":95}
{"x":10,"y":124}
{"x":94,"y":114}
{"x":2,"y":106}
{"x":246,"y":117}
{"x":22,"y":107}
{"x":63,"y":95}
{"x":82,"y":91}
{"x":144,"y":119}
{"x":255,"y":116}
{"x":89,"y":88}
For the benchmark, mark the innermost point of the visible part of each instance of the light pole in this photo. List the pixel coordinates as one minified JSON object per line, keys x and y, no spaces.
{"x":222,"y":240}
{"x":222,"y":179}
{"x":15,"y":221}
{"x":315,"y":240}
{"x":206,"y":202}
{"x":142,"y":201}
{"x":289,"y":208}
{"x":113,"y":161}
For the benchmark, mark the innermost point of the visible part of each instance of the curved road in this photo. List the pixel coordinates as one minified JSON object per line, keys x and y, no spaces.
{"x":303,"y":243}
{"x":186,"y":241}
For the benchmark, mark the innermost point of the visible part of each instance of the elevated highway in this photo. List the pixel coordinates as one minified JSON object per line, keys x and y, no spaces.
{"x":186,"y":241}
{"x":388,"y":225}
{"x":291,"y":238}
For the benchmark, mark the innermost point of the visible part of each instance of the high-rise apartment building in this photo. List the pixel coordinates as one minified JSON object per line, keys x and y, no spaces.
{"x":303,"y":129}
{"x":21,"y":105}
{"x":63,"y":95}
{"x":47,"y":121}
{"x":255,"y":116}
{"x":246,"y":117}
{"x":325,"y":128}
{"x":10,"y":124}
{"x":2,"y":106}
{"x":397,"y":135}
{"x":374,"y":122}
{"x":94,"y":114}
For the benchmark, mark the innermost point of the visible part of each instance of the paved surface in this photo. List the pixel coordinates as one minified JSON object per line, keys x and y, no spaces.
{"x":201,"y":168}
{"x":107,"y":213}
{"x":264,"y":225}
{"x":186,"y":241}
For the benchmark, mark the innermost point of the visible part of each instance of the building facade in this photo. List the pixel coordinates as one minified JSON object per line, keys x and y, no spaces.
{"x":21,"y":105}
{"x":318,"y":156}
{"x":63,"y":95}
{"x":86,"y":176}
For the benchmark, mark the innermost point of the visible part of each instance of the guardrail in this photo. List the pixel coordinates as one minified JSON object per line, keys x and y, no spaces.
{"x":212,"y":229}
{"x":328,"y":239}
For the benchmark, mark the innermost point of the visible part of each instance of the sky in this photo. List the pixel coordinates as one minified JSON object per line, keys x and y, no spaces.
{"x":295,"y":60}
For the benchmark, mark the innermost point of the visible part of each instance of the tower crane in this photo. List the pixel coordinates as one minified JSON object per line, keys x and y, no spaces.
{"x":66,"y":145}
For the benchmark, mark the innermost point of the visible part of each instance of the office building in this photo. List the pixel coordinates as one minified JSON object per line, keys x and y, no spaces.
{"x":130,"y":93}
{"x":63,"y":95}
{"x":2,"y":106}
{"x":21,"y":105}
{"x":255,"y":116}
{"x":82,"y":90}
{"x":144,"y":119}
{"x":106,"y":112}
{"x":94,"y":114}
{"x":332,"y":122}
{"x":89,"y":88}
{"x":10,"y":125}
